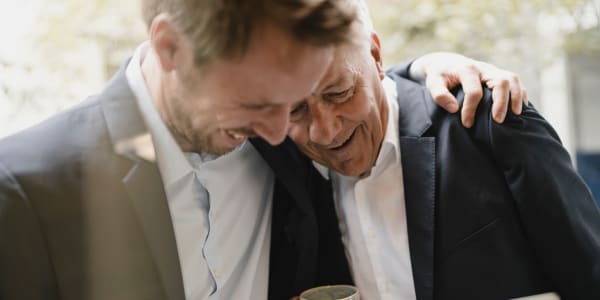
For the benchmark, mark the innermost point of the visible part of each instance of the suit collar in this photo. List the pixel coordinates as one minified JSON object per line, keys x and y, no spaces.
{"x":172,"y":161}
{"x":418,"y":167}
{"x":131,"y":139}
{"x":415,"y":107}
{"x":291,"y":168}
{"x":147,"y":195}
{"x":294,"y":173}
{"x":123,"y":117}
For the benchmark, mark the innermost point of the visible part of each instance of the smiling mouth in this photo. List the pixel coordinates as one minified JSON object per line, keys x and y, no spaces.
{"x":345,"y":143}
{"x":235,"y":135}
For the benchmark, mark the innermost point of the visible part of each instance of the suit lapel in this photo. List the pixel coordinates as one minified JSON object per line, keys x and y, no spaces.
{"x":291,"y":169}
{"x":418,"y":170}
{"x":143,"y":182}
{"x":147,"y":196}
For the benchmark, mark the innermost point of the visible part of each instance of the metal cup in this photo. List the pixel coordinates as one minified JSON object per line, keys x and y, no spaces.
{"x":331,"y":292}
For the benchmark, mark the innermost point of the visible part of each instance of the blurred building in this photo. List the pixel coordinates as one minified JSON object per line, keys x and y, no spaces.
{"x":583,"y":73}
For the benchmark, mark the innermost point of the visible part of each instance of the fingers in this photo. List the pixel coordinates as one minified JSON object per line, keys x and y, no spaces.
{"x":500,"y":96}
{"x":516,"y":96}
{"x":438,"y":87}
{"x":447,"y":70}
{"x":505,"y":86}
{"x":469,"y":78}
{"x":471,"y":84}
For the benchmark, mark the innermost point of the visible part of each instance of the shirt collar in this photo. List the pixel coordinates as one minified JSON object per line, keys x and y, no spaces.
{"x":171,"y":160}
{"x":391,"y":142}
{"x":391,"y":134}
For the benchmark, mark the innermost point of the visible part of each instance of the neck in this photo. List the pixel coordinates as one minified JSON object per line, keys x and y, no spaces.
{"x":383,"y":110}
{"x":157,"y":87}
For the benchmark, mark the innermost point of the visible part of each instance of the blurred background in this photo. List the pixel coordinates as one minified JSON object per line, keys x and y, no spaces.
{"x":54,"y":53}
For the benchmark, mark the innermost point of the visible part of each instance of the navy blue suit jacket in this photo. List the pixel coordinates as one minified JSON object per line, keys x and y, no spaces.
{"x":493,"y":212}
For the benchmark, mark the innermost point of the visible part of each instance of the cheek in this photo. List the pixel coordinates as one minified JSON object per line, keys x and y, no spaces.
{"x":298,"y":132}
{"x":373,"y":121}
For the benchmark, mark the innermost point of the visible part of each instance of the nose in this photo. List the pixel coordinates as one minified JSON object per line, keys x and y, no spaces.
{"x":274,"y":126}
{"x":324,"y":126}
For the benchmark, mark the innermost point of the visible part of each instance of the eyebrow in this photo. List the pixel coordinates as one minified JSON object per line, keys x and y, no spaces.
{"x":257,"y":105}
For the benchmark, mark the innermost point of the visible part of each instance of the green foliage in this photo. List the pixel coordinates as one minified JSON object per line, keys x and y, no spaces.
{"x":61,"y":52}
{"x":113,"y":25}
{"x":500,"y":30}
{"x":70,"y":47}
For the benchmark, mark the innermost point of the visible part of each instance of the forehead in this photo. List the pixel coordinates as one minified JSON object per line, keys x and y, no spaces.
{"x":276,"y":69}
{"x":347,"y":63}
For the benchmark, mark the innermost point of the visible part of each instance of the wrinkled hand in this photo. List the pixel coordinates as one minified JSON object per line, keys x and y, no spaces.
{"x":443,"y":71}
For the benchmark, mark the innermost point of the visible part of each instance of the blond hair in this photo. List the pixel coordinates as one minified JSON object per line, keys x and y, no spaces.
{"x":223,"y":28}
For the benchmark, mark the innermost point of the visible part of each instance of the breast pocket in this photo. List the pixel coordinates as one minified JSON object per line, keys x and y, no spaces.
{"x":473,"y":237}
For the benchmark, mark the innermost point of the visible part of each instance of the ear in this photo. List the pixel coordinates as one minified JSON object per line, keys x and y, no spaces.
{"x":376,"y":54}
{"x":165,"y":40}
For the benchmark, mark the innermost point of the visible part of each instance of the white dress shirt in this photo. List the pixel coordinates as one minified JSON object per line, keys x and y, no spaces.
{"x":220,"y":208}
{"x":372,"y":218}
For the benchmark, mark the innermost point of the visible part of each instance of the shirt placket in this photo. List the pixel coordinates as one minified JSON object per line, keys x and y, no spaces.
{"x":370,"y":234}
{"x":204,"y":195}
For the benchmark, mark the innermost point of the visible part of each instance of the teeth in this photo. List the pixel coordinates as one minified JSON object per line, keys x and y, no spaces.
{"x":235,"y":135}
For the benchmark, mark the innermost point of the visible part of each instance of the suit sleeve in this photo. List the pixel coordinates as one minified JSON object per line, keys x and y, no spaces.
{"x":25,"y":269}
{"x":556,"y":208}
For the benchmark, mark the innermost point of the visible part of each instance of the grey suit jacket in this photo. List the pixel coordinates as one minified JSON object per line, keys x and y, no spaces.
{"x":79,"y":220}
{"x":82,"y":217}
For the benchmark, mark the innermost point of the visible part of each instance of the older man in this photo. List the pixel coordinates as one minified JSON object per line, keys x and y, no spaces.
{"x":150,"y":190}
{"x":425,"y":208}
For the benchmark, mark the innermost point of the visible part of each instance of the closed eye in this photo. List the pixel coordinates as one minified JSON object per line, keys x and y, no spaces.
{"x":255,"y":106}
{"x":298,"y":112}
{"x":338,"y":97}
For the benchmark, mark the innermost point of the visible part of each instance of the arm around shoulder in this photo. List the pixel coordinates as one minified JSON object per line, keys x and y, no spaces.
{"x":556,"y":208}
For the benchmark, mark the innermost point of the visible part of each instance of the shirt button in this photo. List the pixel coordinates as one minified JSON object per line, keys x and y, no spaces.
{"x":386,"y":287}
{"x":217,"y":273}
{"x":371,"y":233}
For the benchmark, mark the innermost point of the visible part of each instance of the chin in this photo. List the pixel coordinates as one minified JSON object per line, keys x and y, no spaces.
{"x":222,"y":150}
{"x":353,"y":171}
{"x":213,"y":148}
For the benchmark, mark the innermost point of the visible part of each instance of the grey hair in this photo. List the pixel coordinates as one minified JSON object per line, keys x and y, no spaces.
{"x":363,"y":16}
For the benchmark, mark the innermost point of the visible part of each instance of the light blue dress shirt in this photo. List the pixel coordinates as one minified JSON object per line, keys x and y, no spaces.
{"x":220,"y":207}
